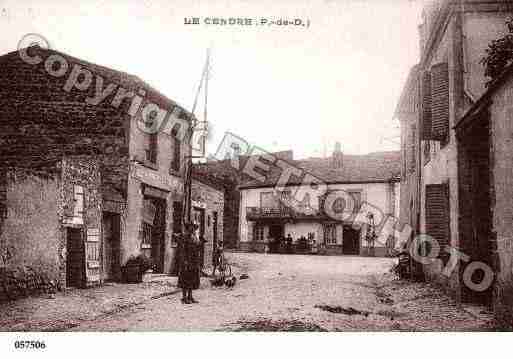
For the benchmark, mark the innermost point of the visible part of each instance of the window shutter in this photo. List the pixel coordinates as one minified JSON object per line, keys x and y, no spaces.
{"x":426,"y":106}
{"x":151,"y":154}
{"x":440,"y":102}
{"x":175,"y":164}
{"x":412,"y":158}
{"x":438,"y":213}
{"x":427,"y":152}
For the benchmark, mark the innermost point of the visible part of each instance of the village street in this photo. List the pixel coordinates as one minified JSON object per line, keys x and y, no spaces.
{"x":283,"y":292}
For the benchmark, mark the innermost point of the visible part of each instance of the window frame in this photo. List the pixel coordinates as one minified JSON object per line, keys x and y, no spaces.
{"x":78,"y":203}
{"x":258,"y":232}
{"x":177,"y":154}
{"x":330,"y":234}
{"x":146,"y":234}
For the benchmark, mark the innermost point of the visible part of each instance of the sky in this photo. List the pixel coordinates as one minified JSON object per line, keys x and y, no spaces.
{"x":279,"y":88}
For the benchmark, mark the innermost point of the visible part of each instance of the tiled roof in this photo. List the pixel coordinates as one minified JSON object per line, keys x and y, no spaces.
{"x":372,"y":167}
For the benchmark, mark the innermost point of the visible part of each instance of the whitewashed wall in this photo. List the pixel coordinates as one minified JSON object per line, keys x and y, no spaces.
{"x":377,"y":195}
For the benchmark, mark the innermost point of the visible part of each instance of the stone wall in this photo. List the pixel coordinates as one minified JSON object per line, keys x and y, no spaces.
{"x":40,"y":122}
{"x":501,"y":129}
{"x":30,"y":259}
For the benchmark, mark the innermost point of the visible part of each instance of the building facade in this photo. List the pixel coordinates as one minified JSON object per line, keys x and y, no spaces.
{"x":56,"y":108}
{"x":442,"y":194}
{"x":268,"y":215}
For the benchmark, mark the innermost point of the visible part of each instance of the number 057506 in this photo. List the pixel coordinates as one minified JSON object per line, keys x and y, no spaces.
{"x":29,"y":344}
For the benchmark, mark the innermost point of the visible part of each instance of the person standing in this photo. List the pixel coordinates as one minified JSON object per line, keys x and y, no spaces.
{"x":289,"y":244}
{"x":216,"y":257}
{"x":189,"y":266}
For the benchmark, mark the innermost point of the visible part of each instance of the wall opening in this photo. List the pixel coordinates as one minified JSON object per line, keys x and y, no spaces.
{"x":75,"y":260}
{"x":475,"y":221}
{"x":112,"y":243}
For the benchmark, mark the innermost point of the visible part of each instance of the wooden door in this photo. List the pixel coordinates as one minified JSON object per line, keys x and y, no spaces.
{"x":350,"y":241}
{"x":111,"y":257}
{"x":158,"y":235}
{"x":75,"y":260}
{"x":276,"y":231}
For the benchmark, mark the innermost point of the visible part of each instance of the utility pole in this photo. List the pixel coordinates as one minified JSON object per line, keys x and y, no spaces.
{"x":189,"y":168}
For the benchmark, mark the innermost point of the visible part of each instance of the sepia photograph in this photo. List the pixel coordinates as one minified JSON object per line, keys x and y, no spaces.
{"x":175,"y":169}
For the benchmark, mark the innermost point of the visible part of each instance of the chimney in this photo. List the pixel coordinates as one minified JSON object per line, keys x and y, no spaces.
{"x":338,"y":156}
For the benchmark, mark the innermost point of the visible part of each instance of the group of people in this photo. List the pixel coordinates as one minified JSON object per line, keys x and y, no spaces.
{"x":285,"y":244}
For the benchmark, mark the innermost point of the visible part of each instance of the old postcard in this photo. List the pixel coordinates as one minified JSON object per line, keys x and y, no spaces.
{"x":242,"y":166}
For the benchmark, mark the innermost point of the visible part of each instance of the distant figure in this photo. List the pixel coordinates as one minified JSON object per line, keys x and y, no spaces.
{"x":289,"y":243}
{"x":189,"y":263}
{"x":216,"y":257}
{"x":390,"y":243}
{"x":267,"y":245}
{"x":314,"y":246}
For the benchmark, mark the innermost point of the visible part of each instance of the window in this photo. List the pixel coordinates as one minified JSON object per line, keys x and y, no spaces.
{"x":151,"y":139}
{"x":93,"y":245}
{"x":438,"y":213}
{"x":404,"y":153}
{"x":330,"y":233}
{"x":427,"y":151}
{"x":268,"y":200}
{"x":412,"y":158}
{"x":78,"y":207}
{"x":440,"y":103}
{"x":151,"y":148}
{"x":426,"y":106}
{"x":435,"y":104}
{"x":149,"y":211}
{"x":258,"y":234}
{"x":147,"y":230}
{"x":177,"y":150}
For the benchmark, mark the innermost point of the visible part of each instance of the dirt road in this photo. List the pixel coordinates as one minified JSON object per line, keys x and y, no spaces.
{"x":295,"y":292}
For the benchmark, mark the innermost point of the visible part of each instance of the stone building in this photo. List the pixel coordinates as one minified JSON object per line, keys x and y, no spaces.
{"x":55,"y":108}
{"x":485,"y":175}
{"x":446,"y":190}
{"x":50,"y":218}
{"x":208,"y":204}
{"x":225,"y":177}
{"x":371,"y":180}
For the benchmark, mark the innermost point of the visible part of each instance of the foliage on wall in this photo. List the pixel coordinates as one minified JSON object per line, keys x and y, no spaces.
{"x":499,"y":54}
